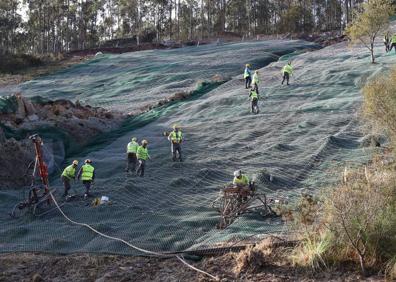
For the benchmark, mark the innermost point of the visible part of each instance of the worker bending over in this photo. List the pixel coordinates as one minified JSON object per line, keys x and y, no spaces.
{"x":69,"y":173}
{"x":254,"y":97}
{"x":247,"y":75}
{"x":132,"y":148}
{"x":241,"y":180}
{"x":287,"y":71}
{"x":176,"y":138}
{"x":142,"y":156}
{"x":87,"y":175}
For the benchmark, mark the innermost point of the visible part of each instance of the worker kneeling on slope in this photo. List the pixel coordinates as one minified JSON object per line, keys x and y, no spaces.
{"x":87,"y":175}
{"x":254,"y":97}
{"x":142,"y":156}
{"x":69,"y":173}
{"x":132,"y":148}
{"x":287,"y":71}
{"x":176,"y":138}
{"x":242,"y":181}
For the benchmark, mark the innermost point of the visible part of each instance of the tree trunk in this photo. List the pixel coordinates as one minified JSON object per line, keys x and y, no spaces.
{"x":372,"y":53}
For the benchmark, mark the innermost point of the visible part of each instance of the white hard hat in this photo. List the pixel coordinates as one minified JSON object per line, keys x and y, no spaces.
{"x":237,"y":173}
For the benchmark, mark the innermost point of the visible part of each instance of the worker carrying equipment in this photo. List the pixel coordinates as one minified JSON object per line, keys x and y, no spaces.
{"x":287,"y":71}
{"x":69,"y":173}
{"x":254,"y":97}
{"x":256,"y":81}
{"x":176,"y":138}
{"x":87,"y":175}
{"x":247,"y":75}
{"x":142,"y":156}
{"x":132,"y":148}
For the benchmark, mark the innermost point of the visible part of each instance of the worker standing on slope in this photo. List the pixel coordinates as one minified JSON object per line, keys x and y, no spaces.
{"x":386,"y":42}
{"x":393,"y":43}
{"x":254,"y":97}
{"x":287,"y":71}
{"x":132,"y":148}
{"x":176,"y":138}
{"x":256,"y":81}
{"x":68,"y":174}
{"x":247,"y":75}
{"x":142,"y":156}
{"x":87,"y":175}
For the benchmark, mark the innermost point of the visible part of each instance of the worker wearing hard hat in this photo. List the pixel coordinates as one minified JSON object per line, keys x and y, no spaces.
{"x":287,"y":71}
{"x":240,"y":180}
{"x":87,"y":175}
{"x":132,"y":148}
{"x":68,"y":174}
{"x":247,"y":75}
{"x":176,"y":138}
{"x":142,"y":156}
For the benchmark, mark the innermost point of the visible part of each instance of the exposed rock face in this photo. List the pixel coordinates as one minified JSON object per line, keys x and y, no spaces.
{"x":79,"y":124}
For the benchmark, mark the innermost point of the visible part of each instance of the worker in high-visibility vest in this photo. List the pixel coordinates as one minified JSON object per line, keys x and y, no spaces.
{"x":142,"y":156}
{"x":393,"y":43}
{"x":68,"y":174}
{"x":247,"y":75}
{"x":287,"y":71}
{"x":256,"y":81}
{"x":132,"y":148}
{"x":254,"y":97}
{"x":176,"y":139}
{"x":87,"y":175}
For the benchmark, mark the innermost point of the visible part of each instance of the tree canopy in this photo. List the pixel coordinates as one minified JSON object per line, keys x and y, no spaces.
{"x":51,"y":26}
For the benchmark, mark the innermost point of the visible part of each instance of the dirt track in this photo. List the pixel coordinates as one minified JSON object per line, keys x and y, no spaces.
{"x":103,"y":268}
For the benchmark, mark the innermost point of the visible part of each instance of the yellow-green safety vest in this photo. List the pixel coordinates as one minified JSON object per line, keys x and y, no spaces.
{"x":176,"y":137}
{"x":132,"y":147}
{"x":394,"y":39}
{"x":288,"y":69}
{"x":256,"y":78}
{"x":246,"y":73}
{"x":87,"y":172}
{"x":142,"y":153}
{"x":253,"y":95}
{"x":243,"y":181}
{"x":69,"y":172}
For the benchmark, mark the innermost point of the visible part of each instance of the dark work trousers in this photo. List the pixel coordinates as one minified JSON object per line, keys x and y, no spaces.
{"x":391,"y":46}
{"x":248,"y":82}
{"x":387,"y":46}
{"x":286,"y":76}
{"x":140,"y":169}
{"x":176,"y":148}
{"x":131,"y":162}
{"x":87,"y":184}
{"x":255,"y":87}
{"x":255,"y":105}
{"x":66,"y":185}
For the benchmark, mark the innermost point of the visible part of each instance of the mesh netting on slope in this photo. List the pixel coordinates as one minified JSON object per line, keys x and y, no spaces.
{"x":302,"y":132}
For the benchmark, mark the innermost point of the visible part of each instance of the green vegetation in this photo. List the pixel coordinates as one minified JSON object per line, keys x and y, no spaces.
{"x":53,"y":26}
{"x":356,"y":221}
{"x":369,"y":22}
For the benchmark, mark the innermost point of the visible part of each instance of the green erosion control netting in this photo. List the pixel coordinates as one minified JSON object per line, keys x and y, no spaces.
{"x":303,"y":135}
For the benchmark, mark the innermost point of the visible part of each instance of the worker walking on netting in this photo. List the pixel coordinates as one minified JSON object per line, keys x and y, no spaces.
{"x":247,"y":75}
{"x":132,"y":148}
{"x":69,"y":173}
{"x":393,"y":43}
{"x":87,"y":175}
{"x":256,"y":81}
{"x":176,"y":139}
{"x":287,"y":71}
{"x":254,"y":97}
{"x":387,"y":42}
{"x":142,"y":156}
